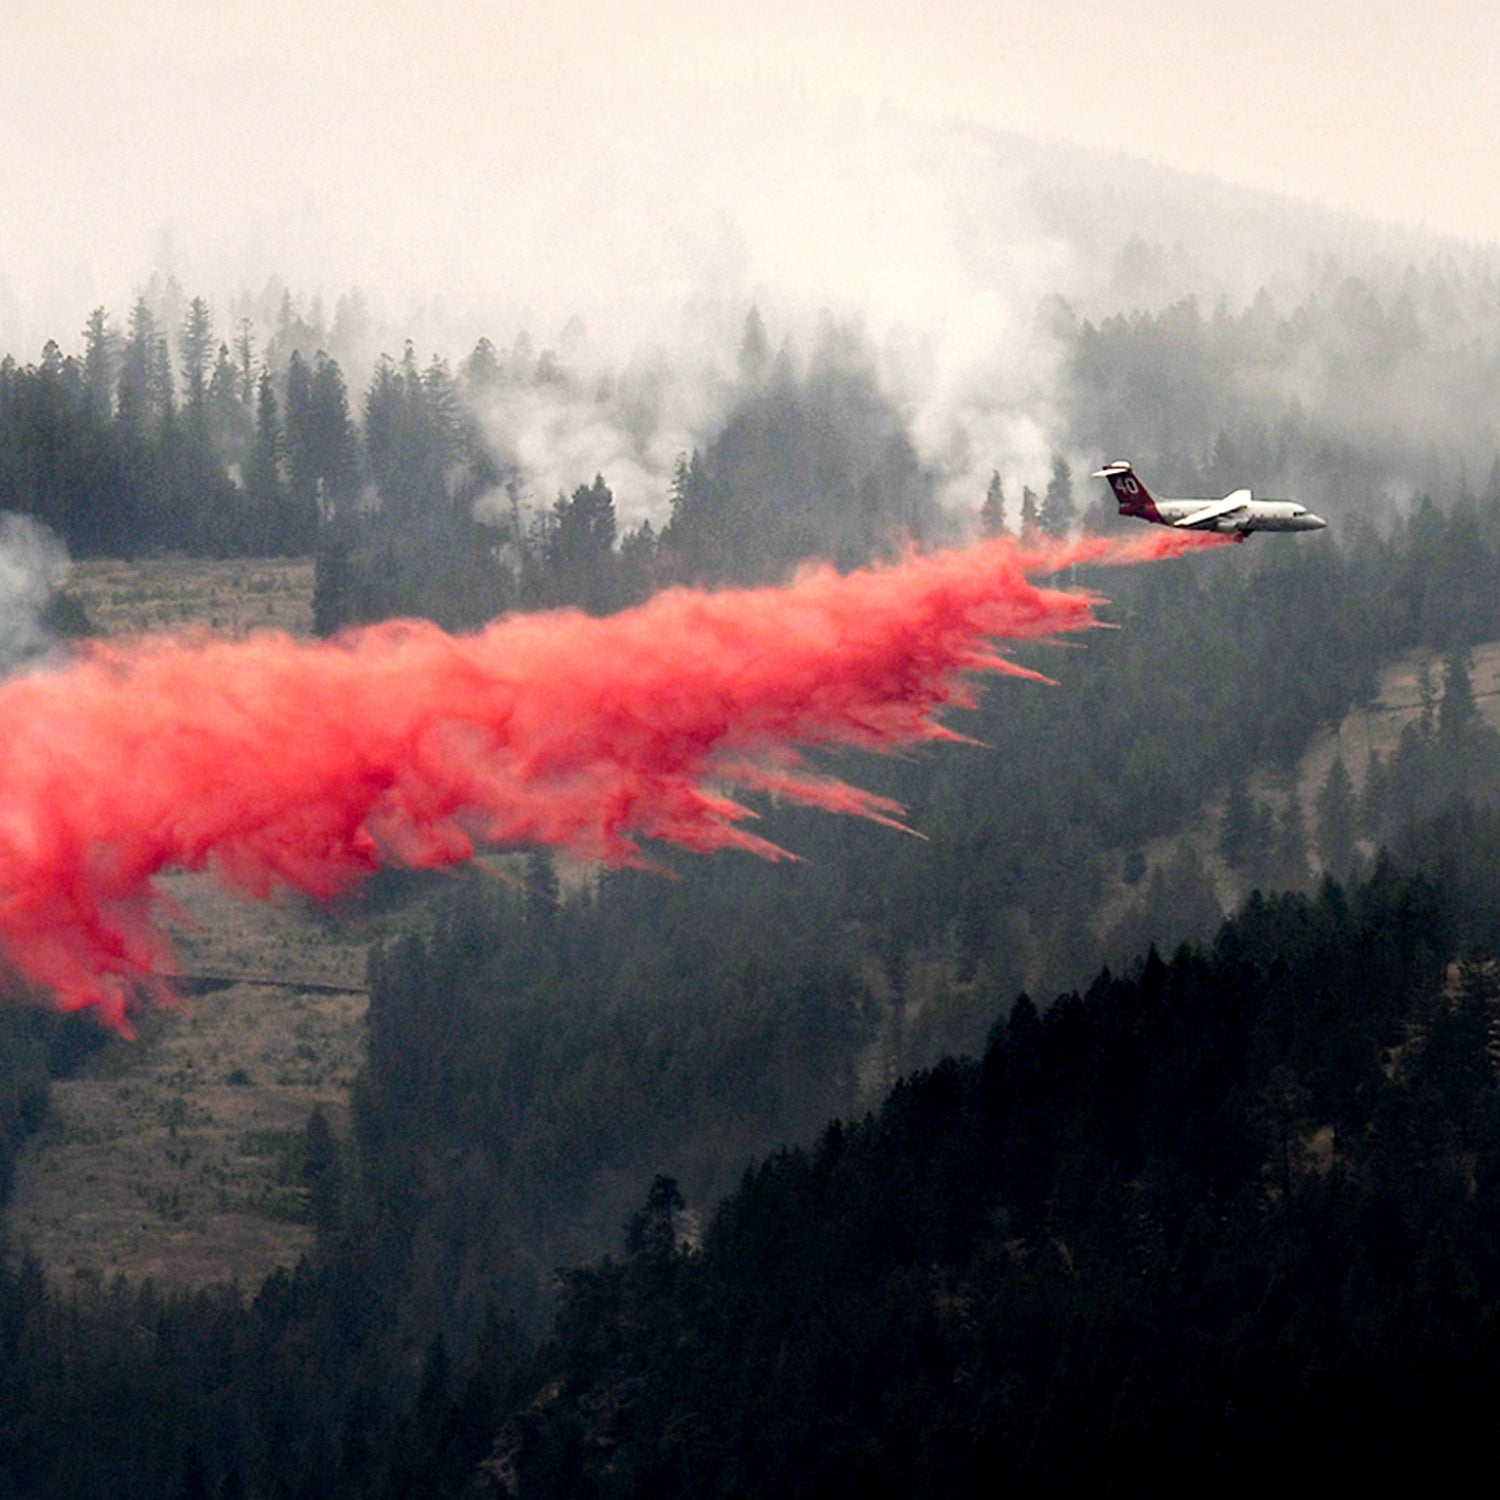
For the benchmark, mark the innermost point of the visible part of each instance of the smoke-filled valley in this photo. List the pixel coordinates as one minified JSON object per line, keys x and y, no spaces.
{"x":1138,"y":1116}
{"x":1008,"y":300}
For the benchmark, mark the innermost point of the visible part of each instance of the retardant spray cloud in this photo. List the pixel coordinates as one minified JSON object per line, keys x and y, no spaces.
{"x":272,"y":762}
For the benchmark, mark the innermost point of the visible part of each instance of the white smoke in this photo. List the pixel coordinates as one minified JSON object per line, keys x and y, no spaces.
{"x":923,"y":237}
{"x":33,"y":565}
{"x":658,"y":210}
{"x":628,"y":424}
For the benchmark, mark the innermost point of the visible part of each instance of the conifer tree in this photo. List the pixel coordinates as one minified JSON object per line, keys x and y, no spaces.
{"x":1058,"y":510}
{"x":1028,"y":511}
{"x":1235,"y":825}
{"x":1337,"y":819}
{"x":100,"y":362}
{"x":992,"y":512}
{"x":244,"y":361}
{"x":229,"y":425}
{"x":1457,"y":713}
{"x":197,"y":352}
{"x":263,"y":479}
{"x":755,"y":349}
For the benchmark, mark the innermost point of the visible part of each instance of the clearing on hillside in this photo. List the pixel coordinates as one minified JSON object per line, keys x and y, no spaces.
{"x":179,"y":1156}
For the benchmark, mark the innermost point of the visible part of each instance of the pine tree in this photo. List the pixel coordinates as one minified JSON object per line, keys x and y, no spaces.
{"x":1427,"y":693}
{"x":1291,"y":843}
{"x":1028,"y":511}
{"x":481,"y":371}
{"x":100,"y":363}
{"x":197,"y":350}
{"x":332,"y":439}
{"x":263,"y":480}
{"x":580,"y":547}
{"x":135,"y":397}
{"x":1457,"y":713}
{"x":1337,"y":819}
{"x":321,"y":1173}
{"x":992,"y":512}
{"x":302,"y":479}
{"x":1058,"y":510}
{"x":652,"y":1233}
{"x":244,"y":359}
{"x":1236,"y":824}
{"x":755,"y":349}
{"x":229,"y":425}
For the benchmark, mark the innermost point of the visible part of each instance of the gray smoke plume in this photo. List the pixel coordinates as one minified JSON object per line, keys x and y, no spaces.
{"x":33,"y":564}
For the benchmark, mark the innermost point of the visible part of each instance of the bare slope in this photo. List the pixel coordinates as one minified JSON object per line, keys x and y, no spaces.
{"x":177,"y":1156}
{"x":1378,"y":727}
{"x":1369,"y":729}
{"x":180,"y":593}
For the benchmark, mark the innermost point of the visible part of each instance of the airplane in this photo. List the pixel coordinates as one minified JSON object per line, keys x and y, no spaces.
{"x":1238,"y":513}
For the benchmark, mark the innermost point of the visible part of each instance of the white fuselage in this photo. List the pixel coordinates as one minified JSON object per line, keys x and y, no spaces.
{"x":1237,"y":514}
{"x":1253,"y":515}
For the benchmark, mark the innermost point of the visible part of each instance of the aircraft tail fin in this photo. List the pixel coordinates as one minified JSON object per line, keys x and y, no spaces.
{"x":1135,"y":499}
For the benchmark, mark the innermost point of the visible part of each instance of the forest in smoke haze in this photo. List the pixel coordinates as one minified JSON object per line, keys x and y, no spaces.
{"x":1314,"y":341}
{"x":1141,"y":1117}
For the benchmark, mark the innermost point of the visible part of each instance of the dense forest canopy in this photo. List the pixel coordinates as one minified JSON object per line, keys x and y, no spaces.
{"x":1176,"y":1209}
{"x":1208,"y":1211}
{"x":1358,"y":383}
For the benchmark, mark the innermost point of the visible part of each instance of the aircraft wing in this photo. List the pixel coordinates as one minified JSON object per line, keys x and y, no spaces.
{"x":1214,"y":509}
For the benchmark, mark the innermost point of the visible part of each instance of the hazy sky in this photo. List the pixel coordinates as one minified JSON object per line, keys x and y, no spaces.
{"x":485,"y":148}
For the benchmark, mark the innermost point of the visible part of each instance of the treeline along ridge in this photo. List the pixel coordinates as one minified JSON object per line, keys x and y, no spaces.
{"x":1214,"y":1203}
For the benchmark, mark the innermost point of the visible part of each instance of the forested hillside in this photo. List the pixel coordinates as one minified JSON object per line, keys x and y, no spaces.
{"x":1175,"y":1211}
{"x":1359,"y":385}
{"x":1208,"y":1211}
{"x":1224,"y":1208}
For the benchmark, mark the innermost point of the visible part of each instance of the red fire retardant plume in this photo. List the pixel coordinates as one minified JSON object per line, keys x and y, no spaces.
{"x":277,"y":762}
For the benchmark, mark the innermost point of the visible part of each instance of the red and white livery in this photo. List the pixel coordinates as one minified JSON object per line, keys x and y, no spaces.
{"x":1237,"y":514}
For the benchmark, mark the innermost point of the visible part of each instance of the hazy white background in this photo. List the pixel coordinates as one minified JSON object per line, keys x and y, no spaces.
{"x":655,"y":165}
{"x":513,"y":149}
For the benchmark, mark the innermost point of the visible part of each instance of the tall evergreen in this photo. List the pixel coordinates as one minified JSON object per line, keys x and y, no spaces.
{"x":196,"y":344}
{"x":264,"y":490}
{"x":992,"y":512}
{"x":1058,"y":510}
{"x":100,"y":363}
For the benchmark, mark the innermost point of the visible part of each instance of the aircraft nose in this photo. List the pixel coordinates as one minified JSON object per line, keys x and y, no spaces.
{"x":1312,"y":522}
